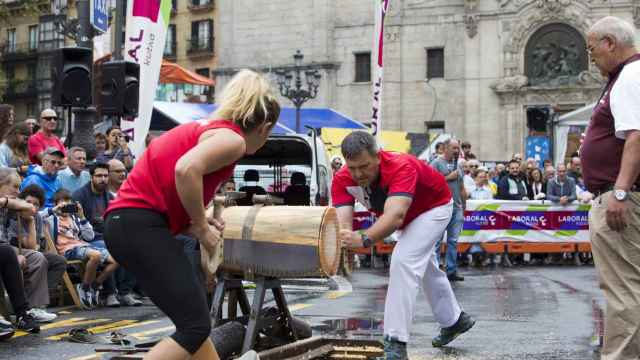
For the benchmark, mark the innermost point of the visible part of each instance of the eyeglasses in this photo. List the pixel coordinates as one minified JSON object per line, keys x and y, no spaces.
{"x":55,"y":162}
{"x":473,"y":166}
{"x":50,"y":118}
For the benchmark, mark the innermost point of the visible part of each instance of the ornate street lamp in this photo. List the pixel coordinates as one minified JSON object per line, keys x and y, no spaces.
{"x":296,"y":93}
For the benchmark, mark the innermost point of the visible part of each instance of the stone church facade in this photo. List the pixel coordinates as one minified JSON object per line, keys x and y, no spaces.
{"x":466,"y":67}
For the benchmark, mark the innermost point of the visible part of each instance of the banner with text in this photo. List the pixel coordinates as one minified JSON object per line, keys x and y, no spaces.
{"x":378,"y":51}
{"x":147,"y":22}
{"x":531,"y":221}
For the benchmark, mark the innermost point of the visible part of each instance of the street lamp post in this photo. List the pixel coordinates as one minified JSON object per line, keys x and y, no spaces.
{"x":296,"y":93}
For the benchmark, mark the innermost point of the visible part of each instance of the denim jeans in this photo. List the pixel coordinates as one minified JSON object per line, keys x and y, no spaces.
{"x":453,"y":233}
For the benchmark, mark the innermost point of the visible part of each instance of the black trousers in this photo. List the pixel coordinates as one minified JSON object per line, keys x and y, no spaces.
{"x":141,"y":242}
{"x":11,"y":276}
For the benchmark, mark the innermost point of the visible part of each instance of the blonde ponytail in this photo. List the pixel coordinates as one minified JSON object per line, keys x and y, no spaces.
{"x":248,"y":101}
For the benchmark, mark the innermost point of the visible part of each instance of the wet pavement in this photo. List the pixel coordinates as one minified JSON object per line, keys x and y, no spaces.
{"x":522,"y":313}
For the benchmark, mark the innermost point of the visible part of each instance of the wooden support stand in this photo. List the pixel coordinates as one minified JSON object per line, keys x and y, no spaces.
{"x":252,"y":316}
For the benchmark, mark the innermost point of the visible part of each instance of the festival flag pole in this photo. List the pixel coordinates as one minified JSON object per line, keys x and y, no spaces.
{"x":146,"y":29}
{"x":378,"y":46}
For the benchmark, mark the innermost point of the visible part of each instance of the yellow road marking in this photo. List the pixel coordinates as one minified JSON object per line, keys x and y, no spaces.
{"x":144,"y":334}
{"x":123,"y":324}
{"x":63,"y":323}
{"x":335,"y":294}
{"x":86,"y":357}
{"x":296,"y":307}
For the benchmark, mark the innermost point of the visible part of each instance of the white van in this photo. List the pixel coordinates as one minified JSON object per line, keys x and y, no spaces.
{"x":294,"y":167}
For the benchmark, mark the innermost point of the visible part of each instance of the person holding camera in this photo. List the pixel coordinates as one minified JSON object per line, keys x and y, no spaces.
{"x":117,"y":148}
{"x":72,"y":233}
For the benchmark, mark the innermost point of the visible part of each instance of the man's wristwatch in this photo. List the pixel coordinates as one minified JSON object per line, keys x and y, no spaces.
{"x":620,"y":195}
{"x":366,"y":241}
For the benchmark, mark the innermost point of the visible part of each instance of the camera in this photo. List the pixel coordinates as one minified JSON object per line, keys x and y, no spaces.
{"x":69,"y":209}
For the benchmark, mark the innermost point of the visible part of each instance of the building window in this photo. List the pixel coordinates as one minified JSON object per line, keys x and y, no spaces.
{"x":363,"y":67}
{"x":170,"y":43}
{"x":50,"y":38}
{"x":203,"y":71}
{"x":202,"y":35}
{"x":33,"y":37}
{"x":200,"y":2}
{"x":32,"y":72}
{"x":435,"y":63}
{"x":32,"y":110}
{"x":10,"y":73}
{"x":11,"y":40}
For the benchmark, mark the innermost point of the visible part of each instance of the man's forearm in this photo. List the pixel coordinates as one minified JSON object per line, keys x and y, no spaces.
{"x":385,"y":226}
{"x":630,"y":165}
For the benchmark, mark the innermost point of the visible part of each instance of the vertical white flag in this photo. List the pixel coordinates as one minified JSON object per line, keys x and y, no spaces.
{"x":378,"y":47}
{"x":147,"y":22}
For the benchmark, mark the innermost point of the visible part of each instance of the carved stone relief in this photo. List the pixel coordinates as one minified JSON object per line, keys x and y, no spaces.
{"x":471,"y":25}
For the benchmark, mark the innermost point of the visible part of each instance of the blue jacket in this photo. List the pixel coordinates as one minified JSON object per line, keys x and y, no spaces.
{"x":49,"y":183}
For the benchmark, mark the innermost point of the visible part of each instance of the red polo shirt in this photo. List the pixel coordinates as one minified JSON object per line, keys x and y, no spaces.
{"x":400,"y":175}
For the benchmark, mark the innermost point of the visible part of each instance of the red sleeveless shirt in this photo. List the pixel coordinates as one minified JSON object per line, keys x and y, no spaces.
{"x":152,"y":182}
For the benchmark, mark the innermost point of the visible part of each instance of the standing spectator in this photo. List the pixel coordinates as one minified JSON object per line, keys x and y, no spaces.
{"x":229,"y":186}
{"x":74,"y":176}
{"x":13,"y":151}
{"x":439,"y":151}
{"x":7,"y":119}
{"x":101,"y":143}
{"x":482,"y":190}
{"x":537,"y":185}
{"x":336,"y":164}
{"x":34,"y":245}
{"x":72,"y":233}
{"x":575,"y":172}
{"x":45,"y":138}
{"x":610,"y":157}
{"x":561,"y":189}
{"x":117,"y":175}
{"x":549,"y":173}
{"x":469,"y":180}
{"x":46,"y":176}
{"x":454,"y":174}
{"x":117,"y":148}
{"x":466,"y":150}
{"x":517,"y":157}
{"x":512,"y":187}
{"x":32,"y":124}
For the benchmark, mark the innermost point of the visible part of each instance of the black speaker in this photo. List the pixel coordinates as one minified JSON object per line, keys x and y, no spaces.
{"x":119,"y":93}
{"x":71,"y":77}
{"x":537,"y":118}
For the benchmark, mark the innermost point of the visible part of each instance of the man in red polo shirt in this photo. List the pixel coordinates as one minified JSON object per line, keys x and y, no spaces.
{"x":610,"y":156}
{"x":407,"y":195}
{"x":45,"y":138}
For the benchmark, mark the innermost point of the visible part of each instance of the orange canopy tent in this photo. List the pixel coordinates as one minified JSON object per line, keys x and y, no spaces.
{"x":172,"y":73}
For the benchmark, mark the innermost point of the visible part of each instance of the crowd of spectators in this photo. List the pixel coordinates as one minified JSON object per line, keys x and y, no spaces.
{"x":52,"y":201}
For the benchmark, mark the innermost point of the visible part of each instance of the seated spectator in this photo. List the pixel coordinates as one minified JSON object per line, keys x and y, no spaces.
{"x":101,"y":142}
{"x":11,"y":277}
{"x":561,"y":189}
{"x":74,"y":176}
{"x":549,"y":173}
{"x":45,"y":138}
{"x":55,"y":264}
{"x":117,"y":176}
{"x":575,"y":169}
{"x":500,"y":172}
{"x":117,"y":148}
{"x":13,"y":151}
{"x":71,"y":233}
{"x":482,"y":190}
{"x":46,"y":176}
{"x":537,"y":185}
{"x":32,"y":124}
{"x":7,"y":119}
{"x":512,"y":187}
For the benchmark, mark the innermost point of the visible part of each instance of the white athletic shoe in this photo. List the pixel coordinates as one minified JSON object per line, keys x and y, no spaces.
{"x":41,"y":315}
{"x":249,"y":355}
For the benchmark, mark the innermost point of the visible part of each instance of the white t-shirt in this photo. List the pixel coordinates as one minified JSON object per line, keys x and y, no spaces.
{"x":625,"y":100}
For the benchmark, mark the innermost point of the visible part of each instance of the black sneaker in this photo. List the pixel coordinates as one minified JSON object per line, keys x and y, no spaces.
{"x":6,"y":330}
{"x":27,"y":323}
{"x":447,"y":335}
{"x":455,"y":277}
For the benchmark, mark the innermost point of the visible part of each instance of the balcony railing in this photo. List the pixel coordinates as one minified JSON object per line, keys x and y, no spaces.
{"x":170,"y":51}
{"x":21,"y":89}
{"x":200,"y":5}
{"x":201,"y":46}
{"x":16,"y":51}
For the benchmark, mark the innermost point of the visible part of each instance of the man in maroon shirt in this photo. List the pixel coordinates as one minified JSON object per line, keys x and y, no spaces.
{"x":610,"y":156}
{"x":407,"y":195}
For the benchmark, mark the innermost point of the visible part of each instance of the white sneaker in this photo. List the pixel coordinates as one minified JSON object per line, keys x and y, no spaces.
{"x":86,"y":297}
{"x":129,"y":300}
{"x":249,"y":355}
{"x":111,"y":301}
{"x":41,"y":315}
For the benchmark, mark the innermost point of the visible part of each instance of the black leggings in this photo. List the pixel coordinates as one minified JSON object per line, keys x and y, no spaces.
{"x":141,"y":242}
{"x":11,"y":276}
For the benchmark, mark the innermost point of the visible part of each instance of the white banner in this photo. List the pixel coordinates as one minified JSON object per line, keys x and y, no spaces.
{"x":147,"y":22}
{"x":530,"y":221}
{"x":378,"y":50}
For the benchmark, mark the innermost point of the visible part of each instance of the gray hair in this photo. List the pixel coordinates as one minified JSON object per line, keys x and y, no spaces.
{"x":6,"y":174}
{"x":357,"y":142}
{"x":449,"y":141}
{"x":619,"y":29}
{"x":77,"y":148}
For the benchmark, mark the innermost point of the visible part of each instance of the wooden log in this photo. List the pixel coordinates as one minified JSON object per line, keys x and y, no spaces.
{"x":281,"y":241}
